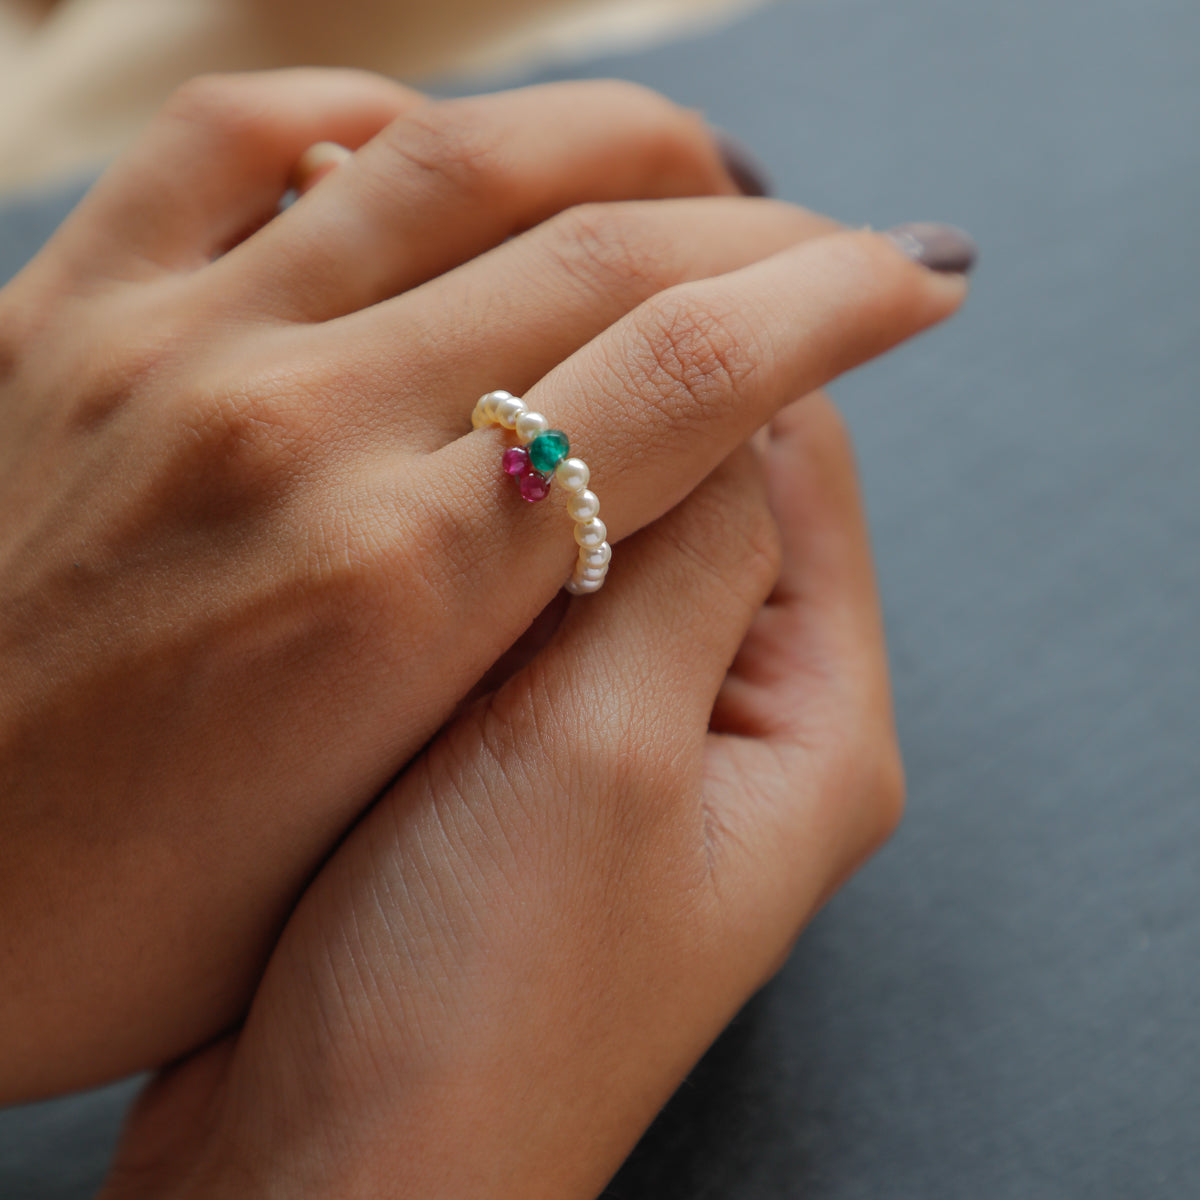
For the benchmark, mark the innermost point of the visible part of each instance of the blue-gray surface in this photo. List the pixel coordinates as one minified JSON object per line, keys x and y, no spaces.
{"x":1004,"y":1005}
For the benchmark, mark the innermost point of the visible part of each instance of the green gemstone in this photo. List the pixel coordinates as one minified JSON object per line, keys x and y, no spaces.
{"x":548,"y":449}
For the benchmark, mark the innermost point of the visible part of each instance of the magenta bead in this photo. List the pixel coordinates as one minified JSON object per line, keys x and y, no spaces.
{"x":534,"y":487}
{"x":516,"y":461}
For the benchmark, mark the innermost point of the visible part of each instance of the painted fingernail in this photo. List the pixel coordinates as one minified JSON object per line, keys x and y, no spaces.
{"x":938,"y":247}
{"x":743,"y":166}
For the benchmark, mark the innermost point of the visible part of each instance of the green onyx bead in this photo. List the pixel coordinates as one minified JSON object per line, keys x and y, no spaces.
{"x":548,"y":449}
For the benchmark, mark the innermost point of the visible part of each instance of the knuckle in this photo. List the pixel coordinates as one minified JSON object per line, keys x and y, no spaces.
{"x":761,"y":554}
{"x":102,"y":390}
{"x":606,"y":247}
{"x":734,"y":542}
{"x":873,"y":779}
{"x":214,"y":101}
{"x":456,"y":145}
{"x":235,"y":114}
{"x":111,"y":367}
{"x":367,"y":546}
{"x":241,"y":446}
{"x":890,"y":791}
{"x":364,"y":544}
{"x":636,"y":759}
{"x":684,"y":149}
{"x":613,"y":94}
{"x":885,"y":793}
{"x":676,"y":140}
{"x":452,"y":530}
{"x":692,"y":354}
{"x":828,"y":432}
{"x":414,"y":541}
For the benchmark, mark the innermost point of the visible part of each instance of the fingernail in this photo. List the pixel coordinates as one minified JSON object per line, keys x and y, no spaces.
{"x":316,"y":162}
{"x":938,"y":247}
{"x":743,"y":166}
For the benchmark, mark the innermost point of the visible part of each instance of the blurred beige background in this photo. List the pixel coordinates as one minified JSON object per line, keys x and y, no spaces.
{"x":78,"y":77}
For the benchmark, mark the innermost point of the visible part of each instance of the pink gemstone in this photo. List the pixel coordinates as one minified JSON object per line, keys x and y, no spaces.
{"x":516,"y":461}
{"x":534,"y":487}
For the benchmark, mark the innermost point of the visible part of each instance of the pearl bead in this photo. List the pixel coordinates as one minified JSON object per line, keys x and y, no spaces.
{"x":543,"y":454}
{"x":507,"y":411}
{"x":591,"y":533}
{"x":530,"y":424}
{"x":598,"y":557}
{"x":489,"y":402}
{"x":572,"y":474}
{"x":583,"y":506}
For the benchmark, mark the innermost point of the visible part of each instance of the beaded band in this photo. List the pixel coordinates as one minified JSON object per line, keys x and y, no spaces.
{"x":539,"y":460}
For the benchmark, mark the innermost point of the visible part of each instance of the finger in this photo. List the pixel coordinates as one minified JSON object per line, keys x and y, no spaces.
{"x":825,"y":605}
{"x":215,"y":163}
{"x":653,"y":404}
{"x":549,"y":292}
{"x":674,"y":613}
{"x":804,"y":770}
{"x":449,"y":180}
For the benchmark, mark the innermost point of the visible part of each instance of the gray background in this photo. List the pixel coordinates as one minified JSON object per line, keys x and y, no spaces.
{"x":1004,"y":1004}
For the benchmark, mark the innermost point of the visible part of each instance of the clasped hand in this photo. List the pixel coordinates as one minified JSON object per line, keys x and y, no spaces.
{"x":254,"y":565}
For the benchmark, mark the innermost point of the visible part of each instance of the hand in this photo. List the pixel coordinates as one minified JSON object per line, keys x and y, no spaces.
{"x":248,"y":561}
{"x":503,"y":974}
{"x":225,"y":619}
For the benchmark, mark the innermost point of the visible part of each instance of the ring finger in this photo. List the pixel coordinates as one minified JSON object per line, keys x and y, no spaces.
{"x":659,"y":399}
{"x":549,"y":292}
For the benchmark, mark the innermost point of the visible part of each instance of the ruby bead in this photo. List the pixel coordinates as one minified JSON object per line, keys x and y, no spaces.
{"x":534,"y":487}
{"x":516,"y":461}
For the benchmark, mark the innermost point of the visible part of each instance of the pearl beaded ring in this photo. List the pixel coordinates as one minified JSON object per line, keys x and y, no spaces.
{"x":542,"y":458}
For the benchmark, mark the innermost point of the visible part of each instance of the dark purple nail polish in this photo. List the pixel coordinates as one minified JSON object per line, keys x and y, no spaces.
{"x":938,"y":247}
{"x":743,"y":166}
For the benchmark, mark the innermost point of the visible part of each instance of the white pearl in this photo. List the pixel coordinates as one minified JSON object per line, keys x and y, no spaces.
{"x":572,"y":474}
{"x":488,"y":403}
{"x":591,"y":533}
{"x":507,"y":411}
{"x":583,"y":506}
{"x":598,"y":557}
{"x":530,"y":424}
{"x":479,"y":418}
{"x":574,"y":586}
{"x":587,"y":585}
{"x":593,"y":573}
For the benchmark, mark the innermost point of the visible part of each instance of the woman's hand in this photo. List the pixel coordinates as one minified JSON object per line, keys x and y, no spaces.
{"x":248,"y":561}
{"x":499,"y":979}
{"x":226,"y":612}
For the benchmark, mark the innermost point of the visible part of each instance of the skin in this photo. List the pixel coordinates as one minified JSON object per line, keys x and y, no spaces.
{"x":252,"y":560}
{"x":499,"y":979}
